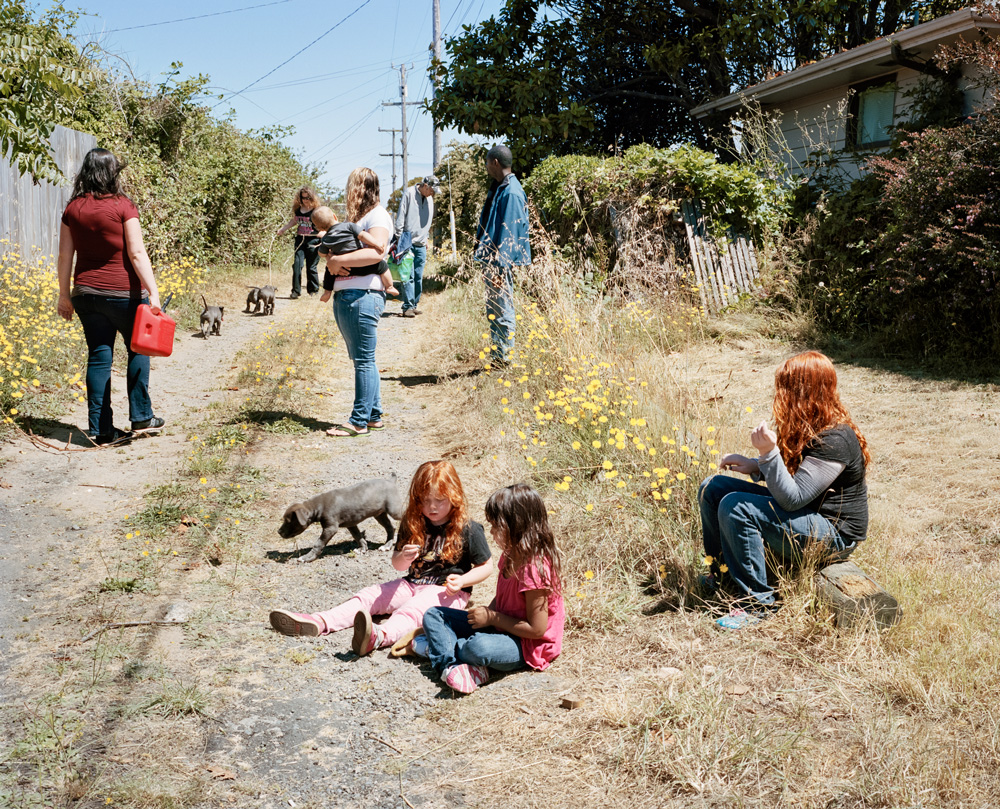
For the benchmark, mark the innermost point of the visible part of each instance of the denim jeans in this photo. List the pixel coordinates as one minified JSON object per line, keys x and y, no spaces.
{"x":500,"y":305}
{"x":358,"y":312}
{"x":450,"y":640}
{"x":410,"y":291}
{"x":309,"y":258}
{"x":742,"y":523}
{"x":103,"y":319}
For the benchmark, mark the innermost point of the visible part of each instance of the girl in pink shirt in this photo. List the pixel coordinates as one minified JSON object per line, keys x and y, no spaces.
{"x":523,"y":626}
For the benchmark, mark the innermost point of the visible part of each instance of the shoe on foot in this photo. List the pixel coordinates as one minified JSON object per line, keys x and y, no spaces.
{"x":367,"y":637}
{"x":116,"y":436}
{"x":409,"y":313}
{"x":294,"y":295}
{"x":464,"y":678}
{"x":297,"y":623}
{"x":415,"y":311}
{"x":152,"y":423}
{"x":743,"y":619}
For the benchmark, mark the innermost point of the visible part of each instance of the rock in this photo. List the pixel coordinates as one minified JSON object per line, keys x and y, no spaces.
{"x":178,"y":613}
{"x":855,"y":597}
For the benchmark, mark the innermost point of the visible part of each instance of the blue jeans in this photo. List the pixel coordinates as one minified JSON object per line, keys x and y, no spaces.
{"x":742,"y":523}
{"x":410,"y":291}
{"x":358,"y":312}
{"x":500,"y":304}
{"x":450,"y":640}
{"x":308,"y":258}
{"x":103,"y":319}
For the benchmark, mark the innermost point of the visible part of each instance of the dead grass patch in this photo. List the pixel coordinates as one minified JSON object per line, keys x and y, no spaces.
{"x":796,"y":712}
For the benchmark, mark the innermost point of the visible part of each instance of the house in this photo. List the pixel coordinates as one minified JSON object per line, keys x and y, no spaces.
{"x":836,"y":111}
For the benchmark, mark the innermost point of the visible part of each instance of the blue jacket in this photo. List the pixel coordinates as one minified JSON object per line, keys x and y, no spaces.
{"x":502,"y":235}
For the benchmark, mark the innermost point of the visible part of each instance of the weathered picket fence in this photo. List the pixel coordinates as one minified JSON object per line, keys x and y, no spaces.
{"x":723,"y":269}
{"x":30,"y":212}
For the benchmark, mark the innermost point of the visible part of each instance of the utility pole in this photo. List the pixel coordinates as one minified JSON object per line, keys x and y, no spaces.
{"x":436,"y":46}
{"x":403,"y":104}
{"x":393,"y":155}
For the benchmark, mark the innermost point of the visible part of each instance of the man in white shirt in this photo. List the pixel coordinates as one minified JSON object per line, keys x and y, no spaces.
{"x":415,"y":214}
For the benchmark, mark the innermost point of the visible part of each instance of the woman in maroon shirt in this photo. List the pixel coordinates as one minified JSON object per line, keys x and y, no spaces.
{"x":113,"y":275}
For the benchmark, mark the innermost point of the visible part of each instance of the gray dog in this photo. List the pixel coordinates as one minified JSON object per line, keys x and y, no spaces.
{"x":211,"y":319}
{"x":345,"y":508}
{"x":253,"y":299}
{"x":267,"y":298}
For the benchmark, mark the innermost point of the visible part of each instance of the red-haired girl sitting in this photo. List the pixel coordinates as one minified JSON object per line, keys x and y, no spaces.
{"x":814,"y":470}
{"x":442,"y":552}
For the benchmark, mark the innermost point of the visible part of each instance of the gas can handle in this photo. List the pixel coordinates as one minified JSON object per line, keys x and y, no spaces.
{"x":166,"y":302}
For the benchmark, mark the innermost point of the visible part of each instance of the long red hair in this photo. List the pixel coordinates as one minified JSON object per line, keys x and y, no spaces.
{"x":439,"y":477}
{"x":806,"y":403}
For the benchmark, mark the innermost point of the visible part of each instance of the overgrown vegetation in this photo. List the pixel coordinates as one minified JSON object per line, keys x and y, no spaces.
{"x":203,"y":187}
{"x":907,"y":256}
{"x":617,"y":218}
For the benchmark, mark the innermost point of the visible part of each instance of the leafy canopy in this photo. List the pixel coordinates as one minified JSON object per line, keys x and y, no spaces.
{"x":41,"y":75}
{"x":588,"y":75}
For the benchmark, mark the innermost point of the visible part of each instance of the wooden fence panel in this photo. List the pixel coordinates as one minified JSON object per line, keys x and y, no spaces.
{"x":722,"y":272}
{"x":30,"y":213}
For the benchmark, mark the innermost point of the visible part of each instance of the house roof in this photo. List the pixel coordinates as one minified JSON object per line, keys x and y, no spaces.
{"x":858,"y":64}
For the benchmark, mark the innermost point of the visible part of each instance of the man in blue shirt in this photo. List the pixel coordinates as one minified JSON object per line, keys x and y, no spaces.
{"x":502,"y":244}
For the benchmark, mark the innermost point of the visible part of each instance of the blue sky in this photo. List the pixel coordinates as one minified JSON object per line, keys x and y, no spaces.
{"x":331,"y":92}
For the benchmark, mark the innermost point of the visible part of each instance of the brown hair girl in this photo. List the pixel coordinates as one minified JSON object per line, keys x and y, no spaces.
{"x":806,"y":403}
{"x":520,"y":514}
{"x":305,"y":199}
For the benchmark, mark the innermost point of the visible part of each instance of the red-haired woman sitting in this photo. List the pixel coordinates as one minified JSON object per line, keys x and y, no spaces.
{"x":814,"y":468}
{"x":442,"y":552}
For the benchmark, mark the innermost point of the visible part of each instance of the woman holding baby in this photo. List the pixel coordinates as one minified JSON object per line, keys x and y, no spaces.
{"x":359,"y":300}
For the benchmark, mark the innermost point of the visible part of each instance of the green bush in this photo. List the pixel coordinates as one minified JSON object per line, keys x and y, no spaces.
{"x":602,"y":210}
{"x":203,"y":187}
{"x":910,"y":253}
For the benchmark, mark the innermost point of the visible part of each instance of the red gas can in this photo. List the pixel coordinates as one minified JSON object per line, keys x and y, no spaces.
{"x":152,"y":334}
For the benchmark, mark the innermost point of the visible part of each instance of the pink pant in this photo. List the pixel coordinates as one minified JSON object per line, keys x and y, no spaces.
{"x":406,"y":603}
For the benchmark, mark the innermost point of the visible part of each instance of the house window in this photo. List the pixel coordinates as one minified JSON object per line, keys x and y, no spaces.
{"x":873,"y":109}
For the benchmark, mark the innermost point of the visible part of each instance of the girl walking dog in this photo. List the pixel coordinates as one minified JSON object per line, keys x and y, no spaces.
{"x":442,"y":552}
{"x":814,"y":468}
{"x":523,"y":626}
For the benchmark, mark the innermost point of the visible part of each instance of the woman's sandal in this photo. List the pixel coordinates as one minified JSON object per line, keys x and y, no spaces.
{"x":376,"y":425}
{"x":345,"y":431}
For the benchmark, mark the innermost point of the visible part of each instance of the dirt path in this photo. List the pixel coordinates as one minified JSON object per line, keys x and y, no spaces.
{"x":288,"y":722}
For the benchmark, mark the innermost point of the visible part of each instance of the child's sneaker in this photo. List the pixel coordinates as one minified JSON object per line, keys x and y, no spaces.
{"x":459,"y":678}
{"x":367,"y":637}
{"x":743,"y":619}
{"x":297,"y":623}
{"x":480,"y":674}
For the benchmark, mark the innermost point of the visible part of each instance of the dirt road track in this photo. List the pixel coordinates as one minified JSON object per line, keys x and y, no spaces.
{"x":294,"y":722}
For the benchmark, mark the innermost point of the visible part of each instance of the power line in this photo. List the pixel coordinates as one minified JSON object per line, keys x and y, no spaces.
{"x":197,"y":17}
{"x":301,"y":50}
{"x":315,"y":108}
{"x":343,"y":135}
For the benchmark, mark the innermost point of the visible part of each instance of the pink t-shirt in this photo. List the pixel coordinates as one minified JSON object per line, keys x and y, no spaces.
{"x":538,"y":652}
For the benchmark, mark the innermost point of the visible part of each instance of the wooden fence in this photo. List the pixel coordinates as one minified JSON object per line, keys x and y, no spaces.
{"x":30,"y":212}
{"x":723,"y":271}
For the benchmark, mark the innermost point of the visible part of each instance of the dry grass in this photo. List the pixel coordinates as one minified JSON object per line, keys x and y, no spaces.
{"x":796,"y":712}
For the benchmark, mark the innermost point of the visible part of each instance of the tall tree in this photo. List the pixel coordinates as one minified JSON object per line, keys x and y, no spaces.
{"x":41,"y":74}
{"x":589,"y":75}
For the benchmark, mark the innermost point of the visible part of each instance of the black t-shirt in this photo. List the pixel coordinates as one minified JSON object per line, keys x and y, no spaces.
{"x":845,"y":503}
{"x":430,"y":568}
